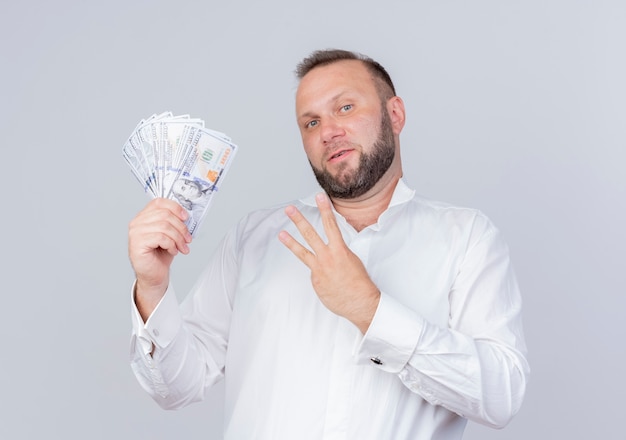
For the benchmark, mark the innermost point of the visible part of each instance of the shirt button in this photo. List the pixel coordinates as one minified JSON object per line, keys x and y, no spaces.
{"x":376,"y":360}
{"x":155,"y":332}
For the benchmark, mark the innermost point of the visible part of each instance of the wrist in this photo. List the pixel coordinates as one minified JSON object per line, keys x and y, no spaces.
{"x":363,"y":315}
{"x":147,"y":297}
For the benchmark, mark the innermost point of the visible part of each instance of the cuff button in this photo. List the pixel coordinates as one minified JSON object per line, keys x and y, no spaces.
{"x":376,"y":360}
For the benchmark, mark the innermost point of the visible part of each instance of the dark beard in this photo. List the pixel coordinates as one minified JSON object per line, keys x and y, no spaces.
{"x":372,"y":167}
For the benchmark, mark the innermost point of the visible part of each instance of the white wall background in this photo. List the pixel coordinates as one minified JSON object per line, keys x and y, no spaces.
{"x":515,"y":108}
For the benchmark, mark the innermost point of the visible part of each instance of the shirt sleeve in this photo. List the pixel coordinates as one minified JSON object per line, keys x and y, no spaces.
{"x":179,"y":352}
{"x":476,"y":366}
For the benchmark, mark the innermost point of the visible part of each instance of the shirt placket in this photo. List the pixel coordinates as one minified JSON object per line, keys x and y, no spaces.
{"x":343,"y":364}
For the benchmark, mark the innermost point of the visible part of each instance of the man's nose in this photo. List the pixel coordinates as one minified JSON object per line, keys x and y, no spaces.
{"x":331,"y":129}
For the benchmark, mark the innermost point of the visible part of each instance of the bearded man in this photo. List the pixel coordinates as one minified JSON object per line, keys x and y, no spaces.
{"x":361,"y":312}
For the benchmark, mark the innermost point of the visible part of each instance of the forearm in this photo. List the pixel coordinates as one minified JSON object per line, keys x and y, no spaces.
{"x":180,"y":351}
{"x":176,"y":375}
{"x":481,"y":377}
{"x":170,"y":363}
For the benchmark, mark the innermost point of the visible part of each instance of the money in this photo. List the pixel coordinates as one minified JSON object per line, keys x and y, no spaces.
{"x":178,"y":158}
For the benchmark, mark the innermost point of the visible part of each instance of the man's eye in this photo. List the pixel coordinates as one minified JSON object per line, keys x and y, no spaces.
{"x":312,"y":124}
{"x":346,"y":107}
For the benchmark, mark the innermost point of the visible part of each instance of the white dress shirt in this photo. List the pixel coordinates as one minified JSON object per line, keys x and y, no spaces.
{"x":445,"y":345}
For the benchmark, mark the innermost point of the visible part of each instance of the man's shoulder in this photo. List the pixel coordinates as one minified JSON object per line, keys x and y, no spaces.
{"x":442,"y":207}
{"x":423,"y":205}
{"x":442,"y":212}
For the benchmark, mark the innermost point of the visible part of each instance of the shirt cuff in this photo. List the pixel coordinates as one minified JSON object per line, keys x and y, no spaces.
{"x":162,"y":325}
{"x":392,"y":336}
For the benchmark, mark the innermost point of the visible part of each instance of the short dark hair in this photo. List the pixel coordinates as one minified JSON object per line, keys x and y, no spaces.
{"x":318,"y":58}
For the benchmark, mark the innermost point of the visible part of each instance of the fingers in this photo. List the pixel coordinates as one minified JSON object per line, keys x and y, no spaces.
{"x":296,"y":248}
{"x":310,"y":235}
{"x":169,"y":205}
{"x":159,"y":225}
{"x":307,"y":231}
{"x":328,"y":219}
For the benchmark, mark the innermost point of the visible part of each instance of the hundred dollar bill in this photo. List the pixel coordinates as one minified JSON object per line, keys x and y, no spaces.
{"x":139,"y":154}
{"x":204,"y":160}
{"x":177,"y":157}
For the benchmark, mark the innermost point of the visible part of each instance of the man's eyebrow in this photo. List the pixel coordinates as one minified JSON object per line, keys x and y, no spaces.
{"x":309,"y":114}
{"x":306,"y":115}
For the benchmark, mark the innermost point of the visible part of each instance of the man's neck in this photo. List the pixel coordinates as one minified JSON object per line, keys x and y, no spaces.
{"x":365,"y":210}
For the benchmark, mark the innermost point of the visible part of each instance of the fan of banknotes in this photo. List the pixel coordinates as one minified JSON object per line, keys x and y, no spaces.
{"x":178,"y":158}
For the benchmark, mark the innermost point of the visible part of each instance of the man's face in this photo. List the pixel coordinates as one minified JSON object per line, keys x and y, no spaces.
{"x":346,"y":130}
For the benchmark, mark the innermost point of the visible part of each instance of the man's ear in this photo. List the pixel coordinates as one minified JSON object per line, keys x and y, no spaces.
{"x":395,"y":108}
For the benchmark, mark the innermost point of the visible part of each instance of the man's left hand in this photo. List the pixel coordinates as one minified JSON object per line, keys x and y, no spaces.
{"x":337,"y":274}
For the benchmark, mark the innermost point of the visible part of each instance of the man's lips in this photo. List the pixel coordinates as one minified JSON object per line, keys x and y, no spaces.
{"x":339,"y":154}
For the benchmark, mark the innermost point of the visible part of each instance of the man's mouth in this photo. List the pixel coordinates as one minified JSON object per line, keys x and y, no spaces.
{"x":339,"y":154}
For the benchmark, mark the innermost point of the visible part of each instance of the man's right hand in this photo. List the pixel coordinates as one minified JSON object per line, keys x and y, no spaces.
{"x":155,"y":236}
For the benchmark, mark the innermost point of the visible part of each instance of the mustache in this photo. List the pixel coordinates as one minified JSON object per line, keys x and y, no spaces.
{"x":337,"y":146}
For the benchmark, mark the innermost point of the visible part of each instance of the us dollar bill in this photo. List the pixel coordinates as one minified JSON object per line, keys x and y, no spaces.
{"x":178,"y":158}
